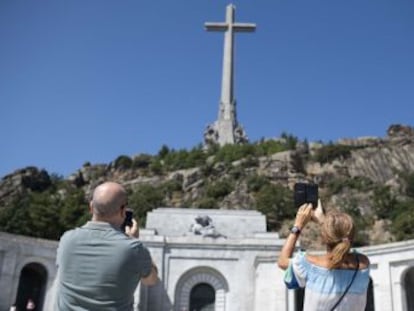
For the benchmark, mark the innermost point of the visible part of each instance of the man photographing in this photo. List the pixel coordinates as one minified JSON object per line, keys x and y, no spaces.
{"x":99,"y":266}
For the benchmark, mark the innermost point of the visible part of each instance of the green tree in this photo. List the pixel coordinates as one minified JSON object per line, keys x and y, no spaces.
{"x":14,"y":217}
{"x":330,"y":152}
{"x":142,"y":161}
{"x":290,"y":140}
{"x":206,"y":203}
{"x":276,"y":203}
{"x":123,"y":162}
{"x":403,"y":223}
{"x":219,"y":189}
{"x":144,"y":199}
{"x":74,"y":209}
{"x":156,"y":167}
{"x":383,"y":202}
{"x":44,"y":215}
{"x":361,"y":222}
{"x":409,"y":180}
{"x":164,"y":151}
{"x":256,"y":182}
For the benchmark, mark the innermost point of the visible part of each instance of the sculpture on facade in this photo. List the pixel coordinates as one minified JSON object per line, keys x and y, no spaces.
{"x":203,"y":225}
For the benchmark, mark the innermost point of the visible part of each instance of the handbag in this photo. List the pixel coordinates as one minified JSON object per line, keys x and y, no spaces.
{"x":349,"y":285}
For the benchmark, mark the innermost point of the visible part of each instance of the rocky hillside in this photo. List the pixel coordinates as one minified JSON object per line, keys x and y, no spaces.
{"x":371,"y":178}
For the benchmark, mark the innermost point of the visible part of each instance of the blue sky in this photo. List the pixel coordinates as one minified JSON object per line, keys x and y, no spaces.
{"x":89,"y":80}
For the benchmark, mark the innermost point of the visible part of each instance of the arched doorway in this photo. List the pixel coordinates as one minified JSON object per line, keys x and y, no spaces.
{"x":408,"y":283}
{"x":202,"y":297}
{"x":198,"y":287}
{"x":32,"y":285}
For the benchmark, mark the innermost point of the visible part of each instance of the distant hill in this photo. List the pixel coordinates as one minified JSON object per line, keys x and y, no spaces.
{"x":371,"y":178}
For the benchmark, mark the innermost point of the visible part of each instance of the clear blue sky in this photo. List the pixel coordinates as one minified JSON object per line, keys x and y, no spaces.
{"x":89,"y":80}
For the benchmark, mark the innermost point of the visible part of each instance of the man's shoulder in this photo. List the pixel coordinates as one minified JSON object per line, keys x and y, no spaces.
{"x":68,"y":234}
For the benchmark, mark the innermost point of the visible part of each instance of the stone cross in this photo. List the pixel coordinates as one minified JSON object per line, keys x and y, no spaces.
{"x":226,"y":129}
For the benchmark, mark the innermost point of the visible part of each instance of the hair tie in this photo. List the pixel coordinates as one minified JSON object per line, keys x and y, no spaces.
{"x":345,"y":239}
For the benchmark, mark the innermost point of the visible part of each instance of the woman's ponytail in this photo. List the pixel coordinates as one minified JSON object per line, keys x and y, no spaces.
{"x":337,"y":234}
{"x":338,"y":253}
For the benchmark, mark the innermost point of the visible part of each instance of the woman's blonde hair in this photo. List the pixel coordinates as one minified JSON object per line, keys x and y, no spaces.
{"x":337,"y":233}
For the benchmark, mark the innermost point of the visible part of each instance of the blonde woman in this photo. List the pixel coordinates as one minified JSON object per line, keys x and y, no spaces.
{"x":337,"y":280}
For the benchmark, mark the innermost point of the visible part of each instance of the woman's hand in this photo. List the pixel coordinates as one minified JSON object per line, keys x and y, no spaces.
{"x":318,"y":213}
{"x":303,"y":215}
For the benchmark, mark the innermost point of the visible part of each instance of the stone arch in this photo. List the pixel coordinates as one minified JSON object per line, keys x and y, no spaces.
{"x":408,"y":288}
{"x":200,"y":275}
{"x":32,"y":285}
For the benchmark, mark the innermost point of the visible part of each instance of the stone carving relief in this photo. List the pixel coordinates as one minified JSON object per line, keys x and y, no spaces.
{"x":203,"y":225}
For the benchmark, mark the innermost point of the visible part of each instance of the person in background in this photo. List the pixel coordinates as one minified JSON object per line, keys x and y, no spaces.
{"x":100,"y":266}
{"x":335,"y":280}
{"x":30,"y":306}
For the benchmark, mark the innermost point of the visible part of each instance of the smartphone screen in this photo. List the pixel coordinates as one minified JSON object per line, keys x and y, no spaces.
{"x":305,"y":193}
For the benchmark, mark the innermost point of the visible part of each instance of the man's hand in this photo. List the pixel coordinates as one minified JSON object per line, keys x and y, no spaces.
{"x":133,"y":231}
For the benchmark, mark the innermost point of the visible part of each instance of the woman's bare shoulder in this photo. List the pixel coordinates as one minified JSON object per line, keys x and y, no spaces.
{"x":363,"y":261}
{"x":318,"y":260}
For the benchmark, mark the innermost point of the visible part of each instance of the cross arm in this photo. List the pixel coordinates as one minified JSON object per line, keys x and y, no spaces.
{"x":244,"y":27}
{"x":216,"y":26}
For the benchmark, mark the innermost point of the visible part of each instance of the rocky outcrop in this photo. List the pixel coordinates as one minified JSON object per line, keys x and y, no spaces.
{"x":379,"y":160}
{"x":29,"y":178}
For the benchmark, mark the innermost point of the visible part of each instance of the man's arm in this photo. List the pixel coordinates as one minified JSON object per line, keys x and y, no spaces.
{"x":152,"y":278}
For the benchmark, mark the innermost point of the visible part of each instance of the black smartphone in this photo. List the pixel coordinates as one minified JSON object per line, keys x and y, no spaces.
{"x":128,"y":219}
{"x":305,"y":193}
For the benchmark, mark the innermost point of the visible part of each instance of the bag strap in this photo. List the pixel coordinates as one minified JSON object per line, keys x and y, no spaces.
{"x":349,"y":285}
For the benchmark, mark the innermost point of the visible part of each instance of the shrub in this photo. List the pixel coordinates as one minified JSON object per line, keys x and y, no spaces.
{"x":206,"y":203}
{"x":409,"y":187}
{"x":156,"y":167}
{"x":403,"y":223}
{"x":144,"y":199}
{"x":359,"y":183}
{"x":231,"y":153}
{"x":171,"y":186}
{"x":269,"y":147}
{"x":361,"y":223}
{"x":123,"y":162}
{"x":219,"y":189}
{"x":142,"y":161}
{"x":384,"y":202}
{"x":290,"y":141}
{"x":255,"y":183}
{"x":330,"y":152}
{"x":163,"y":151}
{"x":276,"y":203}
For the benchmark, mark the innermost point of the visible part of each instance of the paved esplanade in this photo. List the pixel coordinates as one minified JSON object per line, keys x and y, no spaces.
{"x":226,"y":129}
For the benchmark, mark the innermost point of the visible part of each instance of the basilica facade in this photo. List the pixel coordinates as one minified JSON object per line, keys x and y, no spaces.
{"x":219,"y":260}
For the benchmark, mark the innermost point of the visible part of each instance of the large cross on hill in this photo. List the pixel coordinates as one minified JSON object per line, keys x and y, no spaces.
{"x":226,"y":129}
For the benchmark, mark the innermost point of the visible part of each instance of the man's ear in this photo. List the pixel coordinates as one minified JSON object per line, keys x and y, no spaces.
{"x":122,"y":210}
{"x":90,"y":208}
